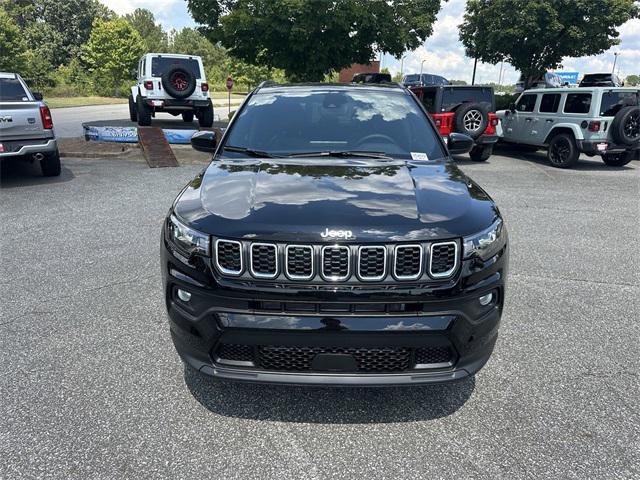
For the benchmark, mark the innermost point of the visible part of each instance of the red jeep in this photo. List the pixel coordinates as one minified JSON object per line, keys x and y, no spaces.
{"x":465,"y":109}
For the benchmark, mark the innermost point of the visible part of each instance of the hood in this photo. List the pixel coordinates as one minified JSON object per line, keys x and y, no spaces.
{"x":298,"y":199}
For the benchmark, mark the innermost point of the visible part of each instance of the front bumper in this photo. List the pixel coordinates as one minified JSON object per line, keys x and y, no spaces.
{"x":24,"y":147}
{"x":445,"y":317}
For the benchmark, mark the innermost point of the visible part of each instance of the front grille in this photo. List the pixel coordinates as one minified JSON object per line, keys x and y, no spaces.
{"x":335,"y":262}
{"x":379,"y":359}
{"x":229,"y":256}
{"x":264,"y":260}
{"x":444,"y":259}
{"x":408,"y":262}
{"x":432,"y":355}
{"x":299,"y":262}
{"x":349,"y":263}
{"x":372,"y":263}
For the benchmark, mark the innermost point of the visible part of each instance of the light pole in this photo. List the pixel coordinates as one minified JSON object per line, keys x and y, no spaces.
{"x":615,"y":58}
{"x":421,"y":65}
{"x":402,"y":64}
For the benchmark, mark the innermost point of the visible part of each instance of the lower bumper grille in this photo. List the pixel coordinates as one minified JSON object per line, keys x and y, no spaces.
{"x":367,"y":359}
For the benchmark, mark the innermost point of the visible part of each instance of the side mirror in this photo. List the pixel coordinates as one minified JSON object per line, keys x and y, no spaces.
{"x":37,"y":96}
{"x":459,"y":143}
{"x":204,"y":141}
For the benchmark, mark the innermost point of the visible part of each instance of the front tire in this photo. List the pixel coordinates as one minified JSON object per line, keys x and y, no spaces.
{"x":563,"y":152}
{"x":480,"y":153}
{"x":205,"y":118}
{"x":617,"y":159}
{"x":50,"y":164}
{"x":187,"y":117}
{"x":144,"y":113}
{"x":133,"y":112}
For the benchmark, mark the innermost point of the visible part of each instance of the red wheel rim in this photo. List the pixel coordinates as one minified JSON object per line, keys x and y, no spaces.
{"x":179,"y":81}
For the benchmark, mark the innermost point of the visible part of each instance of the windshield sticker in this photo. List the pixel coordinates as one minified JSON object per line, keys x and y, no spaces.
{"x":419,"y":156}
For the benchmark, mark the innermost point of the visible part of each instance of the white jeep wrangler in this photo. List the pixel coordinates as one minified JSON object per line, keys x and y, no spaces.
{"x":170,"y":83}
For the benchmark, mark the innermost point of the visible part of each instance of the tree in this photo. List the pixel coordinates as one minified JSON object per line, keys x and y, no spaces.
{"x":534,"y":36}
{"x":457,"y":82}
{"x":12,"y":45}
{"x":154,"y":38}
{"x":112,"y":53}
{"x":632,"y":80}
{"x":189,"y":41}
{"x":310,"y":38}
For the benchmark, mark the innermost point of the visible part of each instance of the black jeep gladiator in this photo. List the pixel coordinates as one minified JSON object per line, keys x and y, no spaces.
{"x":332,"y":241}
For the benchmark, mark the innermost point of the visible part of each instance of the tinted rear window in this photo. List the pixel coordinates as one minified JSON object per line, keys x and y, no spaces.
{"x":160,"y":65}
{"x":452,"y":97}
{"x":578,"y":103}
{"x":602,"y":77}
{"x":612,"y":102}
{"x":11,"y":91}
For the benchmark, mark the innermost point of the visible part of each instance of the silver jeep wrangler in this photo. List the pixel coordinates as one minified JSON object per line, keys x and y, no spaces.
{"x":601,"y":121}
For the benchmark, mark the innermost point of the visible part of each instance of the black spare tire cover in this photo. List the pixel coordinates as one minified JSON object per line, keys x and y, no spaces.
{"x":625,"y":127}
{"x":472,"y":119}
{"x":179,"y":82}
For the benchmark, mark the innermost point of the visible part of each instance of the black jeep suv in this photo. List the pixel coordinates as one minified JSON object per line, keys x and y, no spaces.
{"x":331,"y":241}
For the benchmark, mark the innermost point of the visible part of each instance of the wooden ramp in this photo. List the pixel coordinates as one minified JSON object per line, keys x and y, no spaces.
{"x":156,"y":149}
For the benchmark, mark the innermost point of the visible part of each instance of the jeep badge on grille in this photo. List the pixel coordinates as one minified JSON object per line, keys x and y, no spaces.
{"x":344,"y":234}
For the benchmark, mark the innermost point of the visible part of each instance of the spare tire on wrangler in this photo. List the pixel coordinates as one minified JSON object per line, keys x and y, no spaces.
{"x":179,"y":82}
{"x":472,"y":119}
{"x":625,"y":127}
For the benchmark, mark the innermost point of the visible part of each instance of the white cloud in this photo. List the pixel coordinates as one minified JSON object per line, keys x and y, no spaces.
{"x":169,"y":13}
{"x":444,"y":54}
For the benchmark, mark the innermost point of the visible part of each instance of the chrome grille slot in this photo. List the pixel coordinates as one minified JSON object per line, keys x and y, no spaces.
{"x":372,"y":263}
{"x":229,"y":257}
{"x":336,"y":263}
{"x":408,"y":262}
{"x":299,"y":262}
{"x":443,"y":259}
{"x":264,"y":260}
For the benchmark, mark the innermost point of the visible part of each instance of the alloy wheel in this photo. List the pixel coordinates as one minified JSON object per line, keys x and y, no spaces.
{"x":472,"y":120}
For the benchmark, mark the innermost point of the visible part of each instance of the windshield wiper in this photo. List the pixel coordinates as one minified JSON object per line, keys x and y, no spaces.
{"x":249,"y":151}
{"x":342,"y":154}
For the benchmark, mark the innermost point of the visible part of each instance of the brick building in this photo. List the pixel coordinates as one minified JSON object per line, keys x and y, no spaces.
{"x":347,"y":74}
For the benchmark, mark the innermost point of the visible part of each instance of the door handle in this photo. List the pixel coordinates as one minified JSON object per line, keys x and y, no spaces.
{"x":549,"y":120}
{"x":528,"y":119}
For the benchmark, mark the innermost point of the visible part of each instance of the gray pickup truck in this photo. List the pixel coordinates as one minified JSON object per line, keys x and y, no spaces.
{"x":26,"y":127}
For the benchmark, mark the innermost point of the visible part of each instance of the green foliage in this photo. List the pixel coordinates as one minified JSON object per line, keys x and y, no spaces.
{"x":535,"y":35}
{"x":310,"y":38}
{"x":71,"y":80}
{"x":457,"y":82}
{"x":112,"y":54}
{"x":154,"y":37}
{"x":397,"y":77}
{"x":632,"y":80}
{"x":189,"y":41}
{"x":13,"y":47}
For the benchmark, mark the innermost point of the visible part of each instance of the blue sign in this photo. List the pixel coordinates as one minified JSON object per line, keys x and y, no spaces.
{"x":130,"y":134}
{"x":568,"y":77}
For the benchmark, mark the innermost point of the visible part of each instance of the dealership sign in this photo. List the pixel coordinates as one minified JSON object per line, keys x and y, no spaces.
{"x":568,"y":77}
{"x":130,"y":134}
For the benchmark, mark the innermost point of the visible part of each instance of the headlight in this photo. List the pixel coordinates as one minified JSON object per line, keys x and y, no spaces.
{"x":486,"y":243}
{"x":188,"y":239}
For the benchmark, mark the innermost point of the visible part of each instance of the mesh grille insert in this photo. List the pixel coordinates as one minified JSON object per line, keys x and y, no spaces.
{"x":229,"y":256}
{"x":443,"y":259}
{"x":299,"y":261}
{"x":371,"y":262}
{"x":264,"y":260}
{"x":408,"y":261}
{"x":427,"y":355}
{"x":371,"y":359}
{"x":335,"y":262}
{"x":231,"y":351}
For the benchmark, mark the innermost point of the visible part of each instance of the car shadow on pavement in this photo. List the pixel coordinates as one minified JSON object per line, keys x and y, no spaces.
{"x":540,"y":157}
{"x":338,"y":405}
{"x":19,"y":173}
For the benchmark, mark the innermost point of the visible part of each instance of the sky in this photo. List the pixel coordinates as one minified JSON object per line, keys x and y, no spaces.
{"x":443,"y":53}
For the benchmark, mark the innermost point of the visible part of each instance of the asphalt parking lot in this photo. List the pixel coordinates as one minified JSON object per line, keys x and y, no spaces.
{"x":91,"y":386}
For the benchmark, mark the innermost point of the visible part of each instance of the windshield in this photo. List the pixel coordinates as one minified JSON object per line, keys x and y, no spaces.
{"x":11,"y":91}
{"x":160,"y":65}
{"x":297,"y":120}
{"x":612,"y":102}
